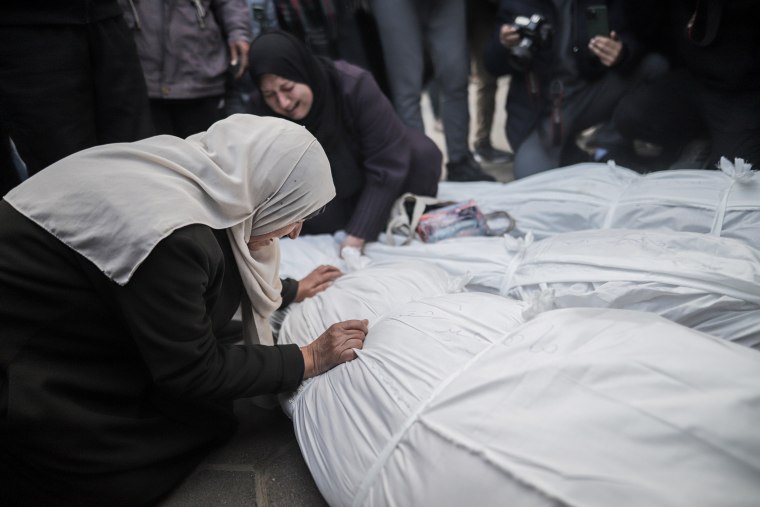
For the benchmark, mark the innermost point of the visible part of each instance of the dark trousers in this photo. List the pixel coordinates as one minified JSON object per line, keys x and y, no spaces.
{"x":676,"y":109}
{"x":9,"y":176}
{"x":184,"y":117}
{"x":589,"y":106}
{"x":480,"y":18}
{"x":64,"y":88}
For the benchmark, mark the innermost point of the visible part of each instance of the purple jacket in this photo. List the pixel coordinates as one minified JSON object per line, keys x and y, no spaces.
{"x":183,"y":49}
{"x":393,"y":157}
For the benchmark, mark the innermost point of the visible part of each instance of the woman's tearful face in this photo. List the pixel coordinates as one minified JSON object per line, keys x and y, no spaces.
{"x":285,"y":97}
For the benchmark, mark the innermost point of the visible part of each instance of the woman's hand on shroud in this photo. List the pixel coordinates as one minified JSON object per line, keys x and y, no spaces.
{"x":316,"y":281}
{"x":334,"y":346}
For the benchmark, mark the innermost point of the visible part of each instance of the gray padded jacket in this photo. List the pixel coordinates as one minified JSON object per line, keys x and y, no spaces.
{"x":183,"y":44}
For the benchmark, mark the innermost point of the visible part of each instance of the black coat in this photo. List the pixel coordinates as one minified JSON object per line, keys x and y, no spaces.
{"x":57,"y":12}
{"x":110,"y":394}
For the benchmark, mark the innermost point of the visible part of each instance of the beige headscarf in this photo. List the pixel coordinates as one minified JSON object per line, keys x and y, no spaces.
{"x":247,"y":174}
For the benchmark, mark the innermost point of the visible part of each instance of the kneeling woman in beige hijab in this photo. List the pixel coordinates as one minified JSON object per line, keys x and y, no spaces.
{"x":118,"y":267}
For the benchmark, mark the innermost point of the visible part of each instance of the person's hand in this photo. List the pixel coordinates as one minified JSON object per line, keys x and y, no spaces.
{"x":352,"y":241}
{"x":609,"y":50}
{"x":239,"y":54}
{"x":316,"y":281}
{"x":334,"y":346}
{"x":509,"y":36}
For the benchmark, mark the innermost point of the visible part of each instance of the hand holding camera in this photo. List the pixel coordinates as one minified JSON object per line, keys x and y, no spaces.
{"x":509,"y":36}
{"x":525,"y":37}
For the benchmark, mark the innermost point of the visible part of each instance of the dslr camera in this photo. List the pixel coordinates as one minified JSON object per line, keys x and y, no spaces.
{"x":535,"y":33}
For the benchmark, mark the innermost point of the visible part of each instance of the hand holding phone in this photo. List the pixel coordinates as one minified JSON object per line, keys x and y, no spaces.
{"x":239,"y":57}
{"x":605,"y":44}
{"x":609,"y":50}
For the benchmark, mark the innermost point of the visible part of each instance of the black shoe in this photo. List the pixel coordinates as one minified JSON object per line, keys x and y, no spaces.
{"x":487,"y":153}
{"x":466,"y":169}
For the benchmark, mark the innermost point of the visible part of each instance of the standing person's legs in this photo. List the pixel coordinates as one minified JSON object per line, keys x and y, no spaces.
{"x":46,"y":91}
{"x":434,"y":95}
{"x":481,"y":16}
{"x":401,"y":38}
{"x":447,"y":36}
{"x":122,"y":113}
{"x":485,"y":88}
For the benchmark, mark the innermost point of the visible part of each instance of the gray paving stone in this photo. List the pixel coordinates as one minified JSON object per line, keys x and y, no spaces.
{"x":261,"y":465}
{"x":286,"y":481}
{"x":215,"y":487}
{"x":260,"y":434}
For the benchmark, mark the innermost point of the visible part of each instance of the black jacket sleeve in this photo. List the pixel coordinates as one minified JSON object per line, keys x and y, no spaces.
{"x":166,"y":306}
{"x":289,"y":291}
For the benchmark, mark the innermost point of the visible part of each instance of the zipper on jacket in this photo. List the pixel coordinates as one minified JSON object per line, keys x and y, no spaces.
{"x":534,"y":88}
{"x":135,"y":15}
{"x":200,"y":13}
{"x":164,"y":36}
{"x":557,"y":91}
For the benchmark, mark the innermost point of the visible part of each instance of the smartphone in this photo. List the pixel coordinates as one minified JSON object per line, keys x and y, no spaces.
{"x":596,"y":21}
{"x":232,"y":70}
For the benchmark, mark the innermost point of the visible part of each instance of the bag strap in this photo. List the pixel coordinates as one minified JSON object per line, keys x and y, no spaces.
{"x":401,"y":222}
{"x":404,"y":224}
{"x":502,"y":230}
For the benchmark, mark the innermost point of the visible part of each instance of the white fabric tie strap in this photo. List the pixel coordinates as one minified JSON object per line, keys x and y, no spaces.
{"x":520,"y":246}
{"x":740,"y":172}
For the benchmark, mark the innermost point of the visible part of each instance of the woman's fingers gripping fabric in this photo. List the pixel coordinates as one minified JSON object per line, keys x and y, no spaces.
{"x":337,"y":344}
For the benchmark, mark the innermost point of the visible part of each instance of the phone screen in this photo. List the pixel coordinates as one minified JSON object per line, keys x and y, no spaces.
{"x":596,"y":21}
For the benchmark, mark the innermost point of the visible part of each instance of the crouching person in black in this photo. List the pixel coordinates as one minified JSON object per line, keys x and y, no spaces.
{"x":571,"y":61}
{"x":119,"y":266}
